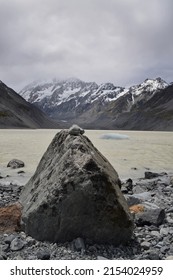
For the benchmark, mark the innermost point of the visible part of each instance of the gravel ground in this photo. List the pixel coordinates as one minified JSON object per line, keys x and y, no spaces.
{"x":150,"y":241}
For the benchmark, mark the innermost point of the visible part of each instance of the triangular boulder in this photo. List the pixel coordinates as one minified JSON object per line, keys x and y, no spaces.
{"x":74,"y":193}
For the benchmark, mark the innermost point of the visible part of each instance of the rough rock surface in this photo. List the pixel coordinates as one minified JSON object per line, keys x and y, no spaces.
{"x":75,"y":193}
{"x":152,"y":215}
{"x":10,"y":218}
{"x":75,"y":130}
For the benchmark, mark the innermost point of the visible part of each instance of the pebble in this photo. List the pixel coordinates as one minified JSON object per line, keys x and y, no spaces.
{"x":146,"y":245}
{"x":101,"y":258}
{"x":43,"y":255}
{"x":17,"y":244}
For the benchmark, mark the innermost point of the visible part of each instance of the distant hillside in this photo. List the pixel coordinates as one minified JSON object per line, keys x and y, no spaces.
{"x":155,"y":113}
{"x":16,"y":112}
{"x":146,"y":106}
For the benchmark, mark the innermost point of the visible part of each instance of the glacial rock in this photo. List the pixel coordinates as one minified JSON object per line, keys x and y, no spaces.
{"x":75,"y":130}
{"x":127,"y":187}
{"x":149,"y":214}
{"x":10,"y":218}
{"x":15,"y":163}
{"x":145,"y":245}
{"x":75,"y":192}
{"x":9,"y":238}
{"x":137,"y":198}
{"x":151,"y":175}
{"x":17,"y":244}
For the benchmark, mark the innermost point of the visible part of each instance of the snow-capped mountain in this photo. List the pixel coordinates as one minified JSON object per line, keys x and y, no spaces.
{"x":53,"y":93}
{"x":90,"y":104}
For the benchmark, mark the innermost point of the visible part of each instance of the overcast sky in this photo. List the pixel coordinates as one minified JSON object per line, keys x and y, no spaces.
{"x":119,"y":41}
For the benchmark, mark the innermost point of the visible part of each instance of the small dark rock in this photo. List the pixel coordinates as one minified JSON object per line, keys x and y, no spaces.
{"x":20,"y":172}
{"x":164,"y":249}
{"x":170,"y":210}
{"x":5,"y":248}
{"x":15,"y":163}
{"x":151,"y":175}
{"x":127,"y":186}
{"x":154,"y":254}
{"x":79,"y":244}
{"x":43,"y":255}
{"x":3,"y":256}
{"x":129,"y":183}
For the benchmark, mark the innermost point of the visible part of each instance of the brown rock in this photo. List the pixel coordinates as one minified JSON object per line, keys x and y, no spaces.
{"x":136,"y":208}
{"x":10,"y":217}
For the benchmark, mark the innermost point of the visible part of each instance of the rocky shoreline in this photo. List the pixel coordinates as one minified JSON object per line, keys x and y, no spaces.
{"x":152,"y":238}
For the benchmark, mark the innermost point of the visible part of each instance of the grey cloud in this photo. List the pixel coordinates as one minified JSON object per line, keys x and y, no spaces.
{"x":97,"y":40}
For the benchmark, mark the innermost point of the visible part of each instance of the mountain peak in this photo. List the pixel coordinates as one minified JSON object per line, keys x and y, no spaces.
{"x":149,"y":85}
{"x":158,"y":80}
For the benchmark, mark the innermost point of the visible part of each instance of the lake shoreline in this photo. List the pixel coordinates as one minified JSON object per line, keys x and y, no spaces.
{"x":130,"y":157}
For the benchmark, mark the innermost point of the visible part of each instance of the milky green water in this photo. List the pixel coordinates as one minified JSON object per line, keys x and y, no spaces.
{"x":130,"y":157}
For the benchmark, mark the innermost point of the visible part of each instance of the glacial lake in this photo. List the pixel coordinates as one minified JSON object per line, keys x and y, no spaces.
{"x":130,"y":152}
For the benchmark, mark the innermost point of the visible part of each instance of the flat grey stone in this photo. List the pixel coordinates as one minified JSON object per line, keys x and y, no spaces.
{"x":17,"y":244}
{"x":146,"y":245}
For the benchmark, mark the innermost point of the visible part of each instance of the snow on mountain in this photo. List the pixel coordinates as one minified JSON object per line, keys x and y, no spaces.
{"x":57,"y":92}
{"x":66,"y":99}
{"x":149,"y":85}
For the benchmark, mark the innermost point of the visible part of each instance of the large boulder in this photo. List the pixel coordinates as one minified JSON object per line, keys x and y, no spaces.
{"x":75,"y":193}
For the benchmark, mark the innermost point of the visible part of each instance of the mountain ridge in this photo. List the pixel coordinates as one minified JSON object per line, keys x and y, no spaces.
{"x":16,"y":112}
{"x":104,"y":106}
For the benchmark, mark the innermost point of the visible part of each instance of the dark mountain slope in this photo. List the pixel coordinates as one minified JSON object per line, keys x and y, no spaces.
{"x":15,"y":112}
{"x":153,"y":114}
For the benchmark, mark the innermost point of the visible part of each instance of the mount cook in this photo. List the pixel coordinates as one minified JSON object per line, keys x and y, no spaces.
{"x":147,"y":106}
